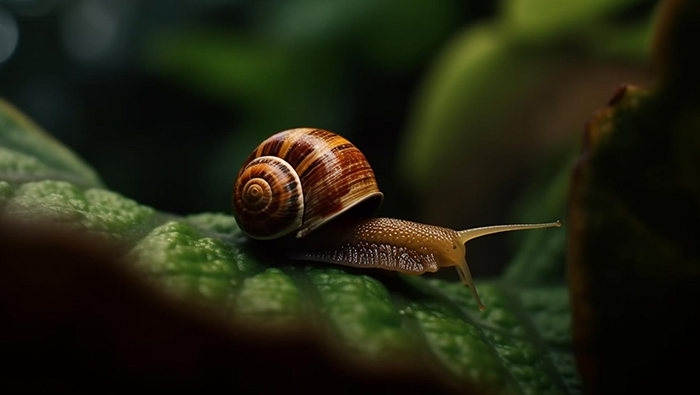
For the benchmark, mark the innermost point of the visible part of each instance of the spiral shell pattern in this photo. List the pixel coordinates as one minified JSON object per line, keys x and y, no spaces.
{"x":268,"y":199}
{"x":334,"y":175}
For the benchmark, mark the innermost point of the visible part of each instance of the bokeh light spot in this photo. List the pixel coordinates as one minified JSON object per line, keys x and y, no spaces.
{"x":9,"y":35}
{"x":90,"y":30}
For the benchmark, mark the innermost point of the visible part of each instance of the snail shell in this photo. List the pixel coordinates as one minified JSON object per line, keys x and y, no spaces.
{"x":298,"y":180}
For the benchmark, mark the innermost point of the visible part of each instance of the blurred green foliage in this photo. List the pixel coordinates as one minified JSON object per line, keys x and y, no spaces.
{"x":482,"y":103}
{"x":546,"y":21}
{"x":538,"y":257}
{"x":633,"y":254}
{"x":22,"y":134}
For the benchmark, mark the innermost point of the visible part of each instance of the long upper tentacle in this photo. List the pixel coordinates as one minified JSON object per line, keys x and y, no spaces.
{"x":468,"y":234}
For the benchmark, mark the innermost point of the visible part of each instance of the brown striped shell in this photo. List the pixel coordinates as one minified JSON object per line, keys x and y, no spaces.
{"x":299,"y":179}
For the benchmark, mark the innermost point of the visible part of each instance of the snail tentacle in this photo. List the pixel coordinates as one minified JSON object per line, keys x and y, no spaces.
{"x":466,"y":276}
{"x":468,"y":234}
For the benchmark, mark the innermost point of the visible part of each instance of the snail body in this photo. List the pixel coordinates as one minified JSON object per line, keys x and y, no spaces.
{"x":398,"y":245}
{"x":300,"y":180}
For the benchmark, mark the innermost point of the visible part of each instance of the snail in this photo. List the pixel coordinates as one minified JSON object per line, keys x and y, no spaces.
{"x":300,"y":181}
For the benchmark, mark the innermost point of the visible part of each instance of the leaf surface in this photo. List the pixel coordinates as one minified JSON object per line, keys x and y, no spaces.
{"x":519,"y":345}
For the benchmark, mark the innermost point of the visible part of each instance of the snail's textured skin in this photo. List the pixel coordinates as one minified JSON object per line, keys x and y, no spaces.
{"x":386,"y":243}
{"x":335,"y":176}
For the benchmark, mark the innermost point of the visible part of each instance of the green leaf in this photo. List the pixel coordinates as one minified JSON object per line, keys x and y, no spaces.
{"x":548,"y":19}
{"x":44,"y":155}
{"x":270,"y":298}
{"x":214,"y":222}
{"x":480,"y":74}
{"x":190,"y":265}
{"x":518,"y":345}
{"x":5,"y":192}
{"x":94,"y":210}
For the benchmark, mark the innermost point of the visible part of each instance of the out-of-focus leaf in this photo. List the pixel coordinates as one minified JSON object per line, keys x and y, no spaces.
{"x":401,"y":32}
{"x":472,"y":94}
{"x":544,"y":20}
{"x":391,"y":35}
{"x":519,"y":345}
{"x":634,"y":256}
{"x":477,"y":67}
{"x":631,"y":41}
{"x":21,"y":136}
{"x":256,"y":77}
{"x":540,"y":258}
{"x":508,"y":91}
{"x":220,"y":64}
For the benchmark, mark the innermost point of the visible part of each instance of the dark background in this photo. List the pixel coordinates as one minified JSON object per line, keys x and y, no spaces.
{"x":166,"y":98}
